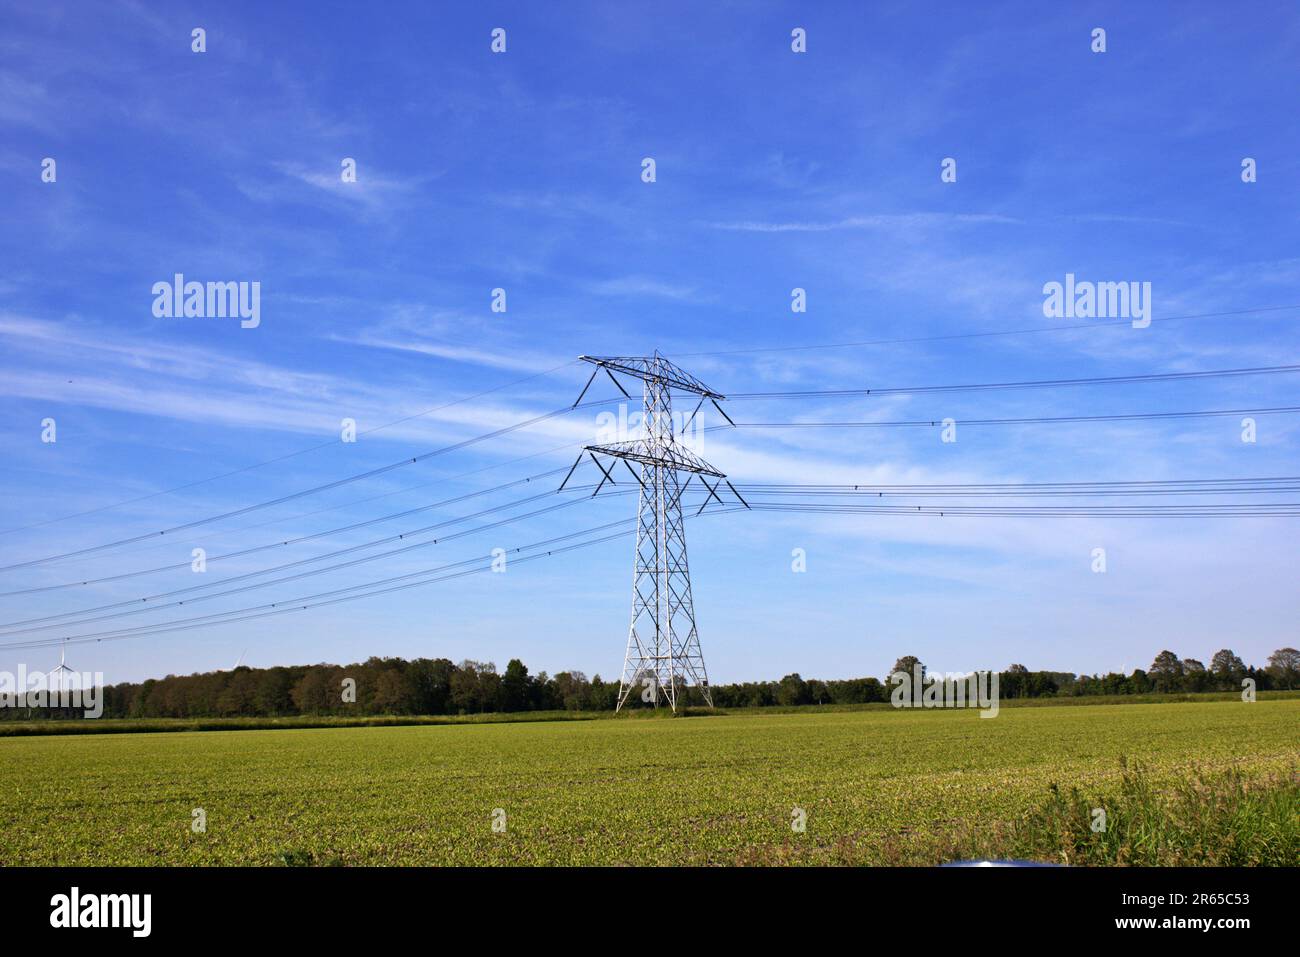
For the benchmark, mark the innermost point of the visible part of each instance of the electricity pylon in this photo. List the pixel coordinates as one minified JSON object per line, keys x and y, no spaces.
{"x":663,"y":645}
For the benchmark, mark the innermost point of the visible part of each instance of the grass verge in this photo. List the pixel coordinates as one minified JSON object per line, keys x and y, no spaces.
{"x":1209,"y":818}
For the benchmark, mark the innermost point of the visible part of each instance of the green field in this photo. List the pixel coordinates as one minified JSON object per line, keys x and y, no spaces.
{"x":878,"y":786}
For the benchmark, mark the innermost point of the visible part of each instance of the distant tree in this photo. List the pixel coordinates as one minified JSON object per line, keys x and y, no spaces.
{"x":489,"y":686}
{"x":855,"y":691}
{"x":571,"y":690}
{"x":1014,"y":682}
{"x":1166,"y":671}
{"x":1284,"y":668}
{"x":1262,"y":677}
{"x":541,"y":693}
{"x":238,"y":697}
{"x":1195,"y":677}
{"x":1227,"y":668}
{"x":436,"y":686}
{"x":392,"y":694}
{"x":874,"y":690}
{"x":604,"y":694}
{"x":175,"y":700}
{"x":1115,"y":683}
{"x":466,"y":695}
{"x":792,"y":690}
{"x":1064,"y":680}
{"x":141,"y":704}
{"x":429,"y":680}
{"x":272,"y":694}
{"x":1041,"y":684}
{"x":906,"y":664}
{"x":311,"y":695}
{"x":514,"y":686}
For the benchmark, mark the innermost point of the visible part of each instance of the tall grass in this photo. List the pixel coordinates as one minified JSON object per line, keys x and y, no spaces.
{"x":1208,"y":818}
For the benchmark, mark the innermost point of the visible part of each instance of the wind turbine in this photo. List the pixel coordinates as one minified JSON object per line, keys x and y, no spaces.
{"x":61,"y":669}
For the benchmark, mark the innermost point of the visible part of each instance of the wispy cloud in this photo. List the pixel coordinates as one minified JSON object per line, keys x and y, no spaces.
{"x":875,"y":221}
{"x":373,"y":190}
{"x":517,"y":361}
{"x":212,"y":387}
{"x":25,"y":103}
{"x":643,"y":286}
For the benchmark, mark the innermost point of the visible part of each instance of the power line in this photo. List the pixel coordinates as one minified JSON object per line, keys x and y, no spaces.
{"x":275,"y":608}
{"x":1254,"y":510}
{"x":655,"y":375}
{"x":1110,"y":489}
{"x":286,"y":456}
{"x":1076,"y":489}
{"x":920,"y":423}
{"x":1093,"y":493}
{"x":286,"y":542}
{"x":978,"y":335}
{"x":313,"y":601}
{"x":311,"y":491}
{"x":1030,"y":384}
{"x":1027,"y":420}
{"x":1025,"y":485}
{"x":282,"y":520}
{"x":33,"y":623}
{"x":262,"y":611}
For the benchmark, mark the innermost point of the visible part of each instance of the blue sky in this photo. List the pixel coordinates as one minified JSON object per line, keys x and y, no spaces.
{"x":522,"y":171}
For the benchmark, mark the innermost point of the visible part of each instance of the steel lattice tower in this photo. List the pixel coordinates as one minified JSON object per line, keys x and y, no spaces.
{"x":663,"y":644}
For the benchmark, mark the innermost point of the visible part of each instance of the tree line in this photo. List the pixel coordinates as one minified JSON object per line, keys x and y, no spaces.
{"x":437,"y":686}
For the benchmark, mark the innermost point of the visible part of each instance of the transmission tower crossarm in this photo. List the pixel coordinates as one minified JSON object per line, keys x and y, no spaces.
{"x":656,"y":368}
{"x":647,"y":453}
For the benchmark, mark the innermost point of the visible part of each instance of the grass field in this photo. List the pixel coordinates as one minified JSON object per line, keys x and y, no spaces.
{"x":877,"y":786}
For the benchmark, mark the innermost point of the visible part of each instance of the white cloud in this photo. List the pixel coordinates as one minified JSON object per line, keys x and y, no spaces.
{"x":642,"y":286}
{"x":875,"y":221}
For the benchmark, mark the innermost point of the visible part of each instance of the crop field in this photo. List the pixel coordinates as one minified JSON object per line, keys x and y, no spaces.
{"x":875,"y":786}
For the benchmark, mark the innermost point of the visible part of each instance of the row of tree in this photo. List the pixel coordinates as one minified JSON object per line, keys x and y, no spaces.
{"x":437,"y":686}
{"x":1168,"y":674}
